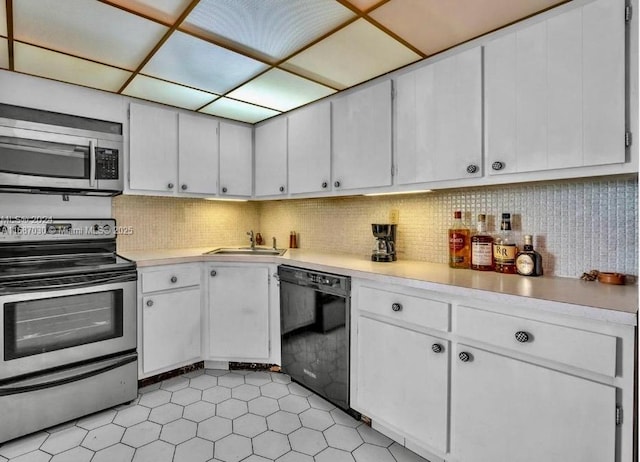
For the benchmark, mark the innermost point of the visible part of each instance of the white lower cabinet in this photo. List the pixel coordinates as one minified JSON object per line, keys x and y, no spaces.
{"x":508,"y":409}
{"x":169,"y":317}
{"x":243,"y":310}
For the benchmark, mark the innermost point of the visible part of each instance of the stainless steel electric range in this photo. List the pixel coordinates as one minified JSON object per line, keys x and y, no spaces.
{"x":67,"y":322}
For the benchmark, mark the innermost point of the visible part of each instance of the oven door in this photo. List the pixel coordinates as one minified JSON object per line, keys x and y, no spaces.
{"x":53,"y":324}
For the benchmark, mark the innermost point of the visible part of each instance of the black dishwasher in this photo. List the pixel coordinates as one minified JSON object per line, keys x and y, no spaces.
{"x":314,"y":323}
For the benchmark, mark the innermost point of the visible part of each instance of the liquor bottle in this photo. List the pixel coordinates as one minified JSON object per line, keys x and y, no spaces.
{"x":504,"y":249}
{"x":528,"y":261}
{"x":459,"y":242}
{"x":482,"y":247}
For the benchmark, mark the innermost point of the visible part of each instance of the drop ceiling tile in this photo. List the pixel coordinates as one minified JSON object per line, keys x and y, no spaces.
{"x":280,"y":90}
{"x":434,"y":25}
{"x":364,"y":5}
{"x":87,"y":29}
{"x":352,"y":55}
{"x":190,"y":61}
{"x":3,"y":19}
{"x":57,"y":66}
{"x":167,"y":93}
{"x":237,"y":110}
{"x":162,"y":10}
{"x":274,"y":29}
{"x":4,"y":53}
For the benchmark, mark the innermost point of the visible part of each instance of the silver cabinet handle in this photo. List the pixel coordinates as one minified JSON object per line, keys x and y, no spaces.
{"x":324,"y":185}
{"x":213,"y":273}
{"x":396,"y":307}
{"x":464,"y":357}
{"x":174,"y":279}
{"x":184,"y":187}
{"x":149,"y":302}
{"x":281,"y":188}
{"x":336,"y":184}
{"x":224,"y":189}
{"x":437,"y":348}
{"x":522,"y":336}
{"x":497,"y":165}
{"x":170,"y":186}
{"x":472,"y":168}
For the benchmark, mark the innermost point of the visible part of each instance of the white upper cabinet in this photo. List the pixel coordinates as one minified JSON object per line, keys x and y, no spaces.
{"x":555,"y":92}
{"x":198,"y":154}
{"x":271,"y":158}
{"x":439,"y":120}
{"x":309,"y":145}
{"x":153,"y":149}
{"x":361,"y":129}
{"x":236,"y":154}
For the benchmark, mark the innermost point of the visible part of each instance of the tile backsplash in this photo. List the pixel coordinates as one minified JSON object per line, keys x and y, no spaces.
{"x":577,"y":225}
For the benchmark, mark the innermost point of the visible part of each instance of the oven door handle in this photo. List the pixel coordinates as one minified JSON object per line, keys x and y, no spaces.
{"x":69,"y":285}
{"x":56,"y":379}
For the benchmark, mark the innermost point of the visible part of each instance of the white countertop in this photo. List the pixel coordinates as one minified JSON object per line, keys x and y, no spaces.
{"x":611,"y":303}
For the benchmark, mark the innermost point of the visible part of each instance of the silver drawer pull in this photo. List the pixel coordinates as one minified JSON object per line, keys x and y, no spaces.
{"x":522,"y":336}
{"x":464,"y":356}
{"x":149,"y":302}
{"x":396,"y":307}
{"x":213,"y":273}
{"x":174,"y":279}
{"x":437,"y":348}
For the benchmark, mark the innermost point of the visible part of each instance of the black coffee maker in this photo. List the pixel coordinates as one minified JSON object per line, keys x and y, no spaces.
{"x":385,"y":245}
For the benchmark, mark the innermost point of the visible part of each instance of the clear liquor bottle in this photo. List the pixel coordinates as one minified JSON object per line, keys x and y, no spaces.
{"x":504,"y":248}
{"x":528,"y":261}
{"x":459,"y":242}
{"x":482,"y":247}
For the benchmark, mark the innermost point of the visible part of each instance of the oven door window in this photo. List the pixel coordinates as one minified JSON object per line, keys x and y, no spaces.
{"x":33,"y":327}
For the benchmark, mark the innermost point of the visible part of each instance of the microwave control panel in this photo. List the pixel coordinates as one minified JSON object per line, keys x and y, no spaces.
{"x":106,"y":164}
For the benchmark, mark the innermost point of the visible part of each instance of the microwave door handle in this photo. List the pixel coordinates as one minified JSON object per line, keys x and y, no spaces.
{"x":92,"y":163}
{"x":73,"y":375}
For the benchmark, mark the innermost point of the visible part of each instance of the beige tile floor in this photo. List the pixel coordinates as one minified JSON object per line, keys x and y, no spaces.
{"x":213,"y":416}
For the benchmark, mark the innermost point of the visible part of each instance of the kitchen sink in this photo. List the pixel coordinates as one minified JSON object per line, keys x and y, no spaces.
{"x":246,"y":251}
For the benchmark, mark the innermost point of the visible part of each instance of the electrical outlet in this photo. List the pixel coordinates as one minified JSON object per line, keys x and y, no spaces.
{"x":394,"y":216}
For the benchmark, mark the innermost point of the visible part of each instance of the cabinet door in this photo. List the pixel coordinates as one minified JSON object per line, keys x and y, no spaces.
{"x":170,"y":329}
{"x":153,"y":149}
{"x":361,"y":128}
{"x":402,"y":381}
{"x":506,"y":409}
{"x":239,"y":312}
{"x":236,"y":148}
{"x":309,"y":141}
{"x":555,"y":92}
{"x":198,"y":154}
{"x":271,"y":158}
{"x":439,"y":120}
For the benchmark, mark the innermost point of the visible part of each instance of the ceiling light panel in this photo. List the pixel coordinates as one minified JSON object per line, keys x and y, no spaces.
{"x":280,"y":90}
{"x":352,"y":55}
{"x":434,"y":25}
{"x":4,"y":53}
{"x":87,"y":29}
{"x":3,"y":19}
{"x":190,"y":61}
{"x":167,"y":93}
{"x":57,"y":66}
{"x":237,"y":110}
{"x":166,"y":11}
{"x":273,"y":29}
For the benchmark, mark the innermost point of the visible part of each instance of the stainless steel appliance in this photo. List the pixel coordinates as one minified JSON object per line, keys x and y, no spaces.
{"x":385,"y":246}
{"x":314,"y":309}
{"x":67,"y":323}
{"x":47,"y":152}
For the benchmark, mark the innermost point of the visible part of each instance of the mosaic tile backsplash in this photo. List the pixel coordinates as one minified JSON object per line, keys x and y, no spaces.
{"x":577,"y":225}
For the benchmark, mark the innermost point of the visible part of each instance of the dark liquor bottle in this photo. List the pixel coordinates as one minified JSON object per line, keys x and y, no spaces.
{"x":528,"y":261}
{"x":482,"y":247}
{"x":504,"y":248}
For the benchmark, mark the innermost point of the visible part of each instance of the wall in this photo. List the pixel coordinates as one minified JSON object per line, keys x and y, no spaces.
{"x":171,"y":223}
{"x":577,"y":226}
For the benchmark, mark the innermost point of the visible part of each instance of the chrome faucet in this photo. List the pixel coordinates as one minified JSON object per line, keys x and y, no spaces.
{"x":252,"y":240}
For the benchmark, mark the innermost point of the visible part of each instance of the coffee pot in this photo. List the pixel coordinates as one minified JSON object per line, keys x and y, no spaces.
{"x":385,"y":244}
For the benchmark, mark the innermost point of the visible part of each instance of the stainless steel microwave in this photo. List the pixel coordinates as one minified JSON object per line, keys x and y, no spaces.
{"x":45,"y":152}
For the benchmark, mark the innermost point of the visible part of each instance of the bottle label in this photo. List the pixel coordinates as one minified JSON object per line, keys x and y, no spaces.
{"x":504,"y":254}
{"x":456,"y":241}
{"x":481,"y":254}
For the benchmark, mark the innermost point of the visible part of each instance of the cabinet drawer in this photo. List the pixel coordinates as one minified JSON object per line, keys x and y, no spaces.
{"x":579,"y":348}
{"x":423,"y":312}
{"x":171,"y":277}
